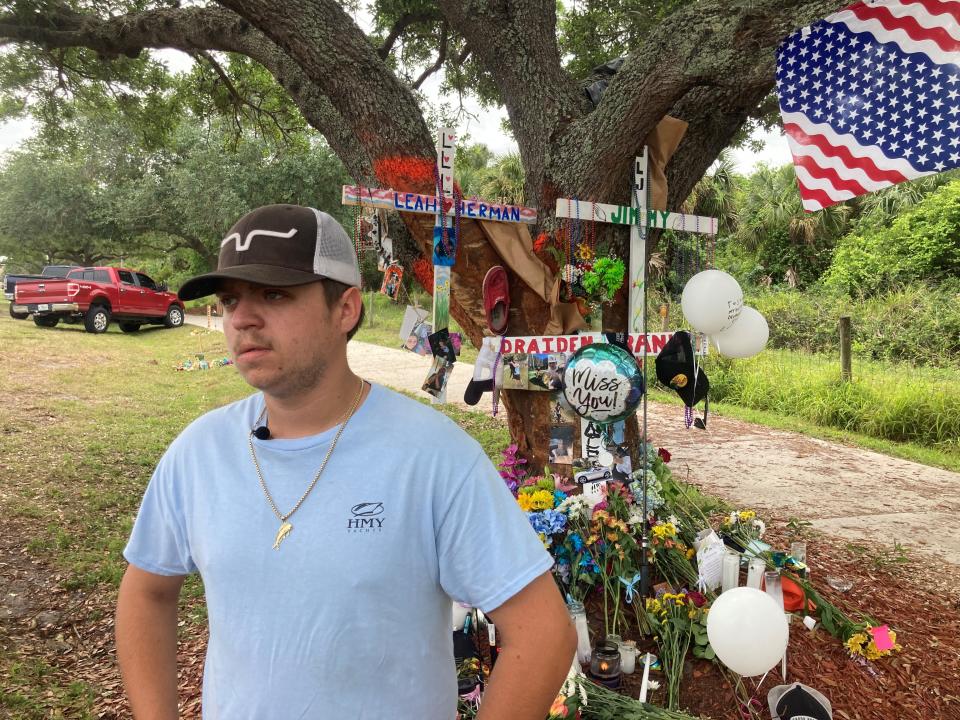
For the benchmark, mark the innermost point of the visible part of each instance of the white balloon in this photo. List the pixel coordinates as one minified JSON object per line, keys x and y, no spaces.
{"x":711,"y":301}
{"x":747,"y":630}
{"x":746,"y":337}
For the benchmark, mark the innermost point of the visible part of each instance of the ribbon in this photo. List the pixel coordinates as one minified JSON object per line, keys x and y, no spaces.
{"x":630,"y":585}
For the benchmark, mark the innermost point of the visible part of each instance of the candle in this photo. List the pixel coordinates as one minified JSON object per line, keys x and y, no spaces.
{"x":755,"y":572}
{"x":646,"y":678}
{"x":628,"y":656}
{"x":579,"y":615}
{"x":731,"y":571}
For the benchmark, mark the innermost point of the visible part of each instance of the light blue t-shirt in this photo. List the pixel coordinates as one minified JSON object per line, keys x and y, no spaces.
{"x":350,"y":618}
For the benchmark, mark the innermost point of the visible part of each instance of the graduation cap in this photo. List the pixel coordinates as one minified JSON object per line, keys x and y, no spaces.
{"x":677,"y":369}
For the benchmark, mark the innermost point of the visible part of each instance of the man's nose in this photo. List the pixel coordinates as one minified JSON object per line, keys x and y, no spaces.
{"x":245,"y":313}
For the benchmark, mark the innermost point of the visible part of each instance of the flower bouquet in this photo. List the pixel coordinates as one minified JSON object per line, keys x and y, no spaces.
{"x":672,"y":618}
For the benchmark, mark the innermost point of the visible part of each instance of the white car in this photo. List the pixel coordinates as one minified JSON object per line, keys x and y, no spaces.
{"x":593,"y":474}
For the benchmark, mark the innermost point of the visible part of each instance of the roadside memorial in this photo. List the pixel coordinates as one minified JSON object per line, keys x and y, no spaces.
{"x":652,"y":571}
{"x":448,"y":207}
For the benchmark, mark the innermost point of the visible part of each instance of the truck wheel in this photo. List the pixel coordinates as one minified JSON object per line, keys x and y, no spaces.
{"x":97,"y":319}
{"x":46,"y":320}
{"x":174,"y":317}
{"x":16,"y":315}
{"x":129,"y":327}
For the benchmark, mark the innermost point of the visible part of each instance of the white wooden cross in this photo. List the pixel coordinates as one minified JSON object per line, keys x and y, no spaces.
{"x":445,"y":209}
{"x":640,"y":219}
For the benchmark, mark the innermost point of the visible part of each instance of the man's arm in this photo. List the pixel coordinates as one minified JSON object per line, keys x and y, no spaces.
{"x":147,"y":642}
{"x":537,"y":649}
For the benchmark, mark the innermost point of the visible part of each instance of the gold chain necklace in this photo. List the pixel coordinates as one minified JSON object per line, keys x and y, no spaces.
{"x":285,"y":526}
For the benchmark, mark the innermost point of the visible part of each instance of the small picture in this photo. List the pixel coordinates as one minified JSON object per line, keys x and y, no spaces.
{"x":514,"y":371}
{"x":622,"y":465}
{"x":444,"y":246}
{"x":545,"y":371}
{"x":412,"y":316}
{"x":561,"y":445}
{"x":438,"y":376}
{"x":392,"y":279}
{"x":415,"y":330}
{"x":560,"y":411}
{"x":442,"y":346}
{"x":457,"y":340}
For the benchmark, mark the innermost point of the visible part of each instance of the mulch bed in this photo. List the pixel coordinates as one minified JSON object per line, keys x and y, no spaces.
{"x":73,"y":632}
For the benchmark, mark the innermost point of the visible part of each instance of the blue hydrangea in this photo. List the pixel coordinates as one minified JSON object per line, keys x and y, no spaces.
{"x":548,"y":522}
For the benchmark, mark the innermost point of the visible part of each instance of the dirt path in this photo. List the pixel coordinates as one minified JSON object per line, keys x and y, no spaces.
{"x":845,"y":491}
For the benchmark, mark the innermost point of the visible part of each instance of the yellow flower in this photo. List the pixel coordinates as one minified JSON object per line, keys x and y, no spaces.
{"x":542,"y":500}
{"x":525,"y":501}
{"x":748,"y":515}
{"x":543,"y":539}
{"x":855,"y":643}
{"x":690,"y":553}
{"x":612,"y":536}
{"x":653,"y":605}
{"x":584,"y":252}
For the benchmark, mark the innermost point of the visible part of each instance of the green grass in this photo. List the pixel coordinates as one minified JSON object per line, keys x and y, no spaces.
{"x":899,"y":410}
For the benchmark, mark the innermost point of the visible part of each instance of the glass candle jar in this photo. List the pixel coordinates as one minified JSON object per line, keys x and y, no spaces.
{"x":771,"y":583}
{"x":579,"y":615}
{"x":755,"y":572}
{"x":731,"y":571}
{"x":605,"y":663}
{"x":628,"y":656}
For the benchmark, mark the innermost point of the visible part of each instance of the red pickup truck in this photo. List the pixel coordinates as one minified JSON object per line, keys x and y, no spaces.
{"x":97,"y":295}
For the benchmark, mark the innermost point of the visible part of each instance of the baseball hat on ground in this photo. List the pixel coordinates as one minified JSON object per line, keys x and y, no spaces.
{"x":281,"y":246}
{"x":798,"y":702}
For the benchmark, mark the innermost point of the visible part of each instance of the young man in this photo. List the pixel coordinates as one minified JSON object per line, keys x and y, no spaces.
{"x":331,"y":520}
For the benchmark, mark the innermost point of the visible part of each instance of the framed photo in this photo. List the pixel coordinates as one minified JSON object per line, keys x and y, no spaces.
{"x":392,"y":279}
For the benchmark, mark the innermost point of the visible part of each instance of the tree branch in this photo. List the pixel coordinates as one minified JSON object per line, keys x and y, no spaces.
{"x":402,"y":23}
{"x":334,"y":53}
{"x":441,"y":57}
{"x":239,"y":100}
{"x":731,"y":63}
{"x":192,"y":30}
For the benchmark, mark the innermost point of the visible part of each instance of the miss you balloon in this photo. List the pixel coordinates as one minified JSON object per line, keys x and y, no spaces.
{"x":603,"y":383}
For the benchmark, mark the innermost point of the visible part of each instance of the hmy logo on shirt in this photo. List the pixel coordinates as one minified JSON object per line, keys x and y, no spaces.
{"x":366,"y":517}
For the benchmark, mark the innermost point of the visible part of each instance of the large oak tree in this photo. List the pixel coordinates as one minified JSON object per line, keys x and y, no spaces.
{"x":707,"y":62}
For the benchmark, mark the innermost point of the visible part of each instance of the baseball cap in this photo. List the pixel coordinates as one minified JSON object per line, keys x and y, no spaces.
{"x":281,"y":245}
{"x":798,"y":702}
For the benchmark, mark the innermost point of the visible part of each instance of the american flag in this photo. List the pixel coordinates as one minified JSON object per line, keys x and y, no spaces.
{"x":870,"y":97}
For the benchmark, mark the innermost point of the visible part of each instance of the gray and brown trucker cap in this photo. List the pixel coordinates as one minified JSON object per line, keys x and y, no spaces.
{"x":281,"y":245}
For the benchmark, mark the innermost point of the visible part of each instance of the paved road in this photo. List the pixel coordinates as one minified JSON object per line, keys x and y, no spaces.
{"x":846,"y":491}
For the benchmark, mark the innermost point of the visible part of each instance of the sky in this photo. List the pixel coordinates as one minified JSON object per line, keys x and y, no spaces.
{"x":484,"y":128}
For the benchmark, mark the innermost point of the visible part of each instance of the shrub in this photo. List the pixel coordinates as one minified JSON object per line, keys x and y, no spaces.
{"x":916,"y":323}
{"x":920,"y":245}
{"x":883,"y":401}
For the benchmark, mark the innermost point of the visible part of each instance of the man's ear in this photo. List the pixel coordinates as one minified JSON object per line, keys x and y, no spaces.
{"x":351,"y":303}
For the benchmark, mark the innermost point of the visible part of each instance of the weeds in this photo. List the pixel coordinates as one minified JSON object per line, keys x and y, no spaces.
{"x":881,"y":558}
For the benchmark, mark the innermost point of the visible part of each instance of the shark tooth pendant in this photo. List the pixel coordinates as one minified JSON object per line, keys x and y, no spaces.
{"x":284,"y":530}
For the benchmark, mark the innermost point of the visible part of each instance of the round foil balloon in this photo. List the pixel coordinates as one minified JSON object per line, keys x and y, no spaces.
{"x":603,"y":383}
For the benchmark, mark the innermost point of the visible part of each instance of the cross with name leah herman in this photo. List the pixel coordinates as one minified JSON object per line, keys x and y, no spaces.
{"x":446,"y":208}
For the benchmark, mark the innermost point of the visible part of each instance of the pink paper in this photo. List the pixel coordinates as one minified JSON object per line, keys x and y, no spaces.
{"x":881,"y":637}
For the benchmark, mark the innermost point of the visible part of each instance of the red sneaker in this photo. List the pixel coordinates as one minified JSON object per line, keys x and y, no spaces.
{"x":496,"y":299}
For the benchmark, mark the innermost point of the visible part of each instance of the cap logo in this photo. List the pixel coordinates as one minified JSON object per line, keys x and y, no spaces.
{"x":244,"y":243}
